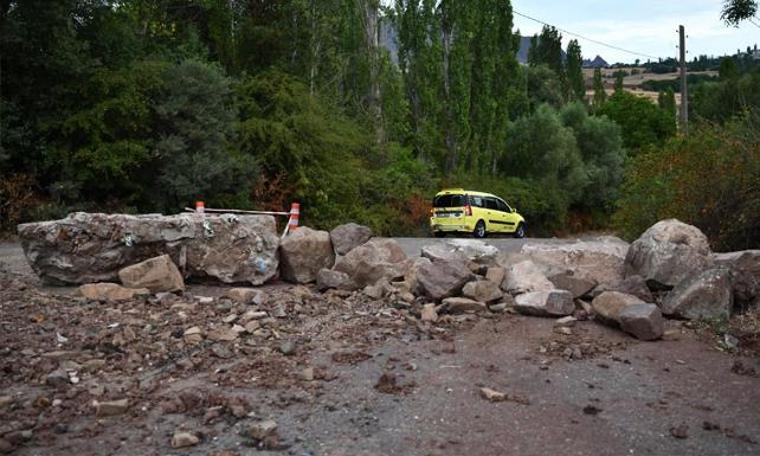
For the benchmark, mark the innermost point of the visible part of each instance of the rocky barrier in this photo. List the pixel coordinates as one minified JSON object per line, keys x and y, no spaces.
{"x":669,"y":272}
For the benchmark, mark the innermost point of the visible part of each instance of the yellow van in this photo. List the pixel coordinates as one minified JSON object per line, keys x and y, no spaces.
{"x":457,"y":210}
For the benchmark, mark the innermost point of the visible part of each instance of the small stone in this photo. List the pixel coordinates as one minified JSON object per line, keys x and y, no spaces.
{"x":463,"y":305}
{"x":262,"y":429}
{"x":428,"y":313}
{"x":110,"y":292}
{"x":230,"y":318}
{"x":492,"y":395}
{"x":496,"y":275}
{"x":58,"y":377}
{"x":184,"y":439}
{"x":222,"y":335}
{"x":565,"y":322}
{"x":680,"y":432}
{"x":252,"y":326}
{"x":564,"y":330}
{"x":111,"y":408}
{"x":254,"y":315}
{"x":307,"y":374}
{"x":279,"y":311}
{"x":204,"y":299}
{"x":288,"y":347}
{"x":246,"y":295}
{"x":5,"y":401}
{"x":498,"y":308}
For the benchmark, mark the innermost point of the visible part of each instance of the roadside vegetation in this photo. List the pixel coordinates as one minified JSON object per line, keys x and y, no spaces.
{"x":359,"y":111}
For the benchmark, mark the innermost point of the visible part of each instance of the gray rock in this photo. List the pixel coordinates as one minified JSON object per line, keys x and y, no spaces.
{"x":636,"y":285}
{"x":599,"y":260}
{"x":745,"y":271}
{"x":262,"y":429}
{"x":349,"y":236}
{"x":463,"y":305}
{"x":482,"y":291}
{"x":554,"y":303}
{"x":525,"y":277}
{"x":440,"y":280}
{"x":376,"y":259}
{"x":110,"y":292}
{"x":475,"y":250}
{"x":329,"y":278}
{"x":379,"y":290}
{"x":184,"y":439}
{"x":158,"y":274}
{"x":303,"y":253}
{"x":111,"y":408}
{"x":57,"y":378}
{"x":575,"y":285}
{"x":288,"y":347}
{"x":608,"y":305}
{"x":667,"y":253}
{"x":704,"y":295}
{"x":644,"y":321}
{"x":85,"y":248}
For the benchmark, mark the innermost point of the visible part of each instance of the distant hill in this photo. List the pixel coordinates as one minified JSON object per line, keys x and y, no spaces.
{"x":598,"y":62}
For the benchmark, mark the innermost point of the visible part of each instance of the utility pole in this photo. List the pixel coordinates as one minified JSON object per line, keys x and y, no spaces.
{"x":684,"y":86}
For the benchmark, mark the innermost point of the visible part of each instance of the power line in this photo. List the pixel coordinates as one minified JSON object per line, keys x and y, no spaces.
{"x":617,"y":48}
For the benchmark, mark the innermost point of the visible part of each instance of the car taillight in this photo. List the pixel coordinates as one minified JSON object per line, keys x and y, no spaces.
{"x":468,"y":210}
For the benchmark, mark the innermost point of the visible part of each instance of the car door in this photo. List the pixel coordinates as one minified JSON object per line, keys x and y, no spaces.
{"x":495,"y":218}
{"x":510,"y":219}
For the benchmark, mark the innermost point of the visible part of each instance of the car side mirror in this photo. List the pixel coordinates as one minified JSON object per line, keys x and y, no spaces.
{"x":514,"y":210}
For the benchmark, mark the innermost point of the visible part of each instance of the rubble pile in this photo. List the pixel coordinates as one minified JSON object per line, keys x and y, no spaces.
{"x":134,"y":339}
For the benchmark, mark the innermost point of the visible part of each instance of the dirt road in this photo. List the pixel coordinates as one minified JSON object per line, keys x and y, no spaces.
{"x":593,"y":391}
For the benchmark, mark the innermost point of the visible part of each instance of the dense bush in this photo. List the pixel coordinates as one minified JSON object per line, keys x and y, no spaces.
{"x":642,"y":122}
{"x":710,"y":179}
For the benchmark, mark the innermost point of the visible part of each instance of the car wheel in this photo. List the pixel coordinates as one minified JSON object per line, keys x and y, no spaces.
{"x":520,"y":231}
{"x":480,"y":229}
{"x":440,"y":234}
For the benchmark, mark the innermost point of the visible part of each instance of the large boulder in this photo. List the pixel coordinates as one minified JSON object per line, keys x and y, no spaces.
{"x":330,"y":278}
{"x":376,"y":259}
{"x":704,"y":295}
{"x":745,"y":271}
{"x":303,"y":253}
{"x":349,"y":236}
{"x":554,"y":303}
{"x":667,"y":253}
{"x":599,"y":260}
{"x":575,"y":285}
{"x":644,"y":321}
{"x":608,"y":306}
{"x":156,"y":274}
{"x":438,"y":280}
{"x":482,"y":291}
{"x":85,"y":247}
{"x":525,"y":277}
{"x":475,"y":250}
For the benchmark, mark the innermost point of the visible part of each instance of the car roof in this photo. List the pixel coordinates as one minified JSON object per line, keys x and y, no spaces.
{"x":453,"y":191}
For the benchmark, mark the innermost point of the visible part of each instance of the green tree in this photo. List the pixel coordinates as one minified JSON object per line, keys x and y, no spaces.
{"x":642,"y":122}
{"x":728,"y":68}
{"x":619,"y":76}
{"x":195,"y":117}
{"x":667,"y":101}
{"x":575,"y":76}
{"x":736,"y":11}
{"x":600,"y":94}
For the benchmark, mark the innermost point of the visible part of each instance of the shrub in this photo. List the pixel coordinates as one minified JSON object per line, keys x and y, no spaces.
{"x":710,"y":179}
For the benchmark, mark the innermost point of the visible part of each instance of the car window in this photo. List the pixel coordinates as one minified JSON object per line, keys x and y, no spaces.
{"x":492,"y":204}
{"x":448,"y":201}
{"x":504,"y":207}
{"x":477,"y":201}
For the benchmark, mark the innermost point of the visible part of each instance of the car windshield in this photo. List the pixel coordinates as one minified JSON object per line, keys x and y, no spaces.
{"x":448,"y":201}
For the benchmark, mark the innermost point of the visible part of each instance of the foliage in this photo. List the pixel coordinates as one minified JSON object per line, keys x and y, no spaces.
{"x":575,"y":77}
{"x":642,"y":122}
{"x":736,"y":11}
{"x":600,"y":94}
{"x":720,"y":101}
{"x":667,"y":102}
{"x":709,"y":179}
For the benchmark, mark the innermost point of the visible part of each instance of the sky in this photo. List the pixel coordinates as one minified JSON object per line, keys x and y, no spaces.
{"x":644,"y":26}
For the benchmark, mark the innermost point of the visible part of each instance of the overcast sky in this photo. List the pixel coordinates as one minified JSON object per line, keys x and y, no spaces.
{"x":645,"y":26}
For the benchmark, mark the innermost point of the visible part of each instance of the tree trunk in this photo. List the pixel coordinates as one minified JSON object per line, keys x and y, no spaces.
{"x":372,"y":41}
